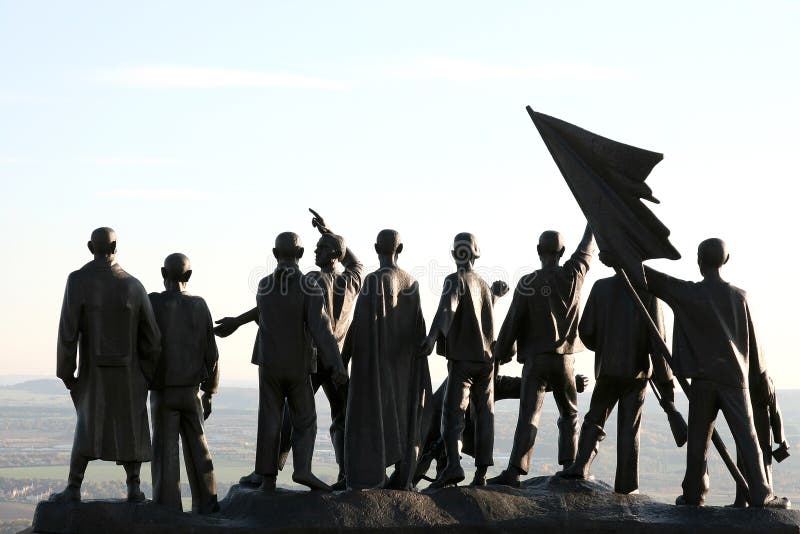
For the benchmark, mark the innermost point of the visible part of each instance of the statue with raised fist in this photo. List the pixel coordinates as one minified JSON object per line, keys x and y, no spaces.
{"x":107,"y":317}
{"x":543,"y":322}
{"x":188,"y":364}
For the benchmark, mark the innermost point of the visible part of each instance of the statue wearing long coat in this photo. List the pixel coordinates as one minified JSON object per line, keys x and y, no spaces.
{"x":106,"y":312}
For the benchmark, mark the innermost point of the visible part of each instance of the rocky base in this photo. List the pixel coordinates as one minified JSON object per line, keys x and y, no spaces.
{"x":543,"y":504}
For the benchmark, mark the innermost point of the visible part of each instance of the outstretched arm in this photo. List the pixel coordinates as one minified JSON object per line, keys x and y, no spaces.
{"x":229,"y":325}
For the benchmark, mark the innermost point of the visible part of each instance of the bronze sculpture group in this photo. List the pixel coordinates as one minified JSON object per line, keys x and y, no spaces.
{"x":313,"y":326}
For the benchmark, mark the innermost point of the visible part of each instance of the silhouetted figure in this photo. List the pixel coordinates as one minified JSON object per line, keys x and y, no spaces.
{"x":543,"y":321}
{"x":188,"y":364}
{"x":107,"y":314}
{"x":616,"y":331}
{"x":290,"y":312}
{"x":463,"y":331}
{"x":768,"y":423}
{"x":339,"y":290}
{"x":715,"y":345}
{"x":390,"y":384}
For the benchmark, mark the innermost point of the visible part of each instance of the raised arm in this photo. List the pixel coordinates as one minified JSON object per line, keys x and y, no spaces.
{"x":581,"y":258}
{"x":229,"y":325}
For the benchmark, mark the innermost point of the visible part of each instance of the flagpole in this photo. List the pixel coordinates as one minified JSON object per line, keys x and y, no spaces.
{"x":666,"y":353}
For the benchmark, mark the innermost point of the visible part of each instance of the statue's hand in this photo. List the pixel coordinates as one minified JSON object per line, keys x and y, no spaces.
{"x":499,"y":288}
{"x":319,"y":223}
{"x":70,"y":383}
{"x":205,"y":400}
{"x":581,"y":383}
{"x":610,"y":259}
{"x":227,"y":326}
{"x":339,"y":377}
{"x":426,"y":347}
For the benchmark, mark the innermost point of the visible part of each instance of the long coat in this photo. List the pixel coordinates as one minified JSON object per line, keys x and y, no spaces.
{"x":390,"y":386}
{"x":106,"y":312}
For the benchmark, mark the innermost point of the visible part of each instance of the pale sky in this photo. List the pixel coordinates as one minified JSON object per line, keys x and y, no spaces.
{"x":209,"y":127}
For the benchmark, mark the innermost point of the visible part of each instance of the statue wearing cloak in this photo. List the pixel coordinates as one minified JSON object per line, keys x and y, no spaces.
{"x":390,"y":385}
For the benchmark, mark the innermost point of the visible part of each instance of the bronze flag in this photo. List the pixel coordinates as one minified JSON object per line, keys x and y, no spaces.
{"x":607,"y":179}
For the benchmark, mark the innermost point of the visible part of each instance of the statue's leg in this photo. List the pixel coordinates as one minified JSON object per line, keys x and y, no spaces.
{"x":566,"y":396}
{"x":456,"y":401}
{"x":703,"y":408}
{"x":286,"y":437}
{"x":629,"y":421}
{"x":738,"y":412}
{"x":133,"y":481}
{"x":530,"y":410}
{"x":482,"y":405}
{"x":303,"y":412}
{"x":197,"y":457}
{"x":77,"y":468}
{"x":337,"y":397}
{"x":604,"y":398}
{"x":270,"y":410}
{"x":165,"y":467}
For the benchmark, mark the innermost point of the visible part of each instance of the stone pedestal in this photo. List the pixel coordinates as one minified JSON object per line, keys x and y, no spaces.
{"x":543,"y":505}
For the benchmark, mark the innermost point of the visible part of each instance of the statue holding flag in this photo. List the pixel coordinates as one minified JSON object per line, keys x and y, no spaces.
{"x":714,"y":338}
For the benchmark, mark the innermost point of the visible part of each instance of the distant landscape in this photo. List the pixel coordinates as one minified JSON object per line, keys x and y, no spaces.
{"x":37,"y":420}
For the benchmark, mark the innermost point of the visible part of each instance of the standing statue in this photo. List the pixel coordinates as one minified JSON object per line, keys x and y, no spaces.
{"x":188,"y":364}
{"x":543,"y":321}
{"x":339,"y":291}
{"x":463,"y":332}
{"x":615,"y":330}
{"x":107,"y":314}
{"x":390,"y":385}
{"x":290,"y":312}
{"x":715,"y":345}
{"x":768,"y":422}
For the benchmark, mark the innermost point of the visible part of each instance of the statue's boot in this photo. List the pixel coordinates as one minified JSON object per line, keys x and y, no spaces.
{"x":591,"y":436}
{"x":337,"y":438}
{"x":309,"y":480}
{"x":77,"y":468}
{"x":509,"y":477}
{"x":267,"y":483}
{"x":72,"y":493}
{"x":340,"y":484}
{"x":681,"y":501}
{"x":253,"y":480}
{"x":480,"y":476}
{"x":452,"y":475}
{"x":133,"y":482}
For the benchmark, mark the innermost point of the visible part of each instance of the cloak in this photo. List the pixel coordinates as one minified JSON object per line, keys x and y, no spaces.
{"x":390,"y":386}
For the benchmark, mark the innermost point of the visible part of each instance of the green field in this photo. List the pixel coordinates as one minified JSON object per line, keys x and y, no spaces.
{"x":227,"y":472}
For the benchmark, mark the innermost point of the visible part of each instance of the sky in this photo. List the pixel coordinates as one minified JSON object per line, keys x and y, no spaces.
{"x":209,"y":127}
